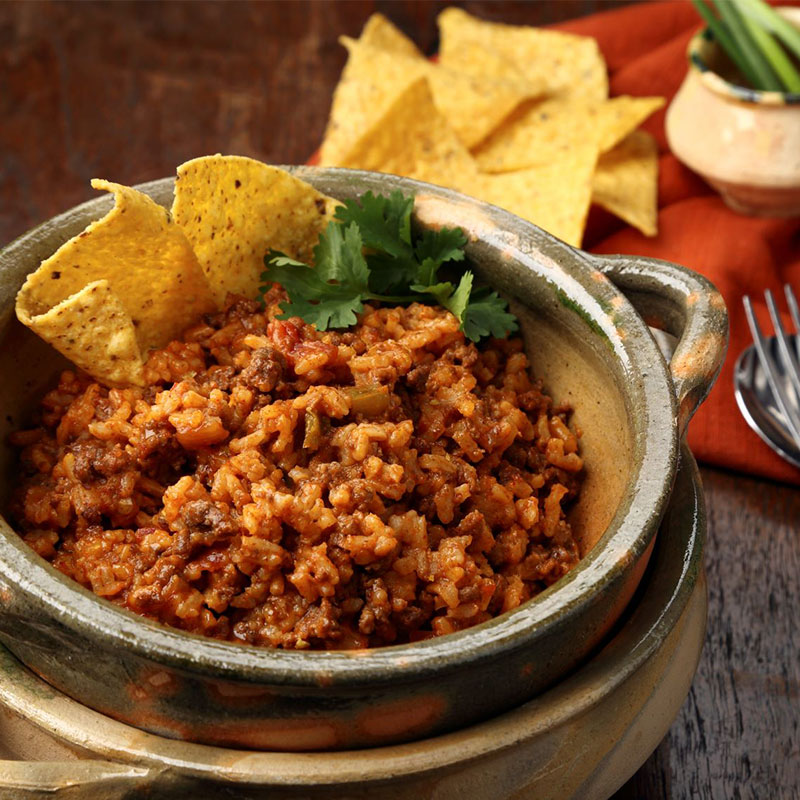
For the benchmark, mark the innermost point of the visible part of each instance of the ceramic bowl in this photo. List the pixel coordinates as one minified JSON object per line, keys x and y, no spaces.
{"x":592,"y":349}
{"x":745,"y":143}
{"x":581,"y":739}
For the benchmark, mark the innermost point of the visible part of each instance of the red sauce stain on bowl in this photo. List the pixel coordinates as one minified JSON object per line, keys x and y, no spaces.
{"x":152,"y":684}
{"x":527,"y":671}
{"x":716,"y":300}
{"x":151,"y":720}
{"x":286,"y":735}
{"x":237,"y":695}
{"x":137,"y":693}
{"x":402,"y":717}
{"x":160,"y":682}
{"x":655,"y":321}
{"x":702,"y":360}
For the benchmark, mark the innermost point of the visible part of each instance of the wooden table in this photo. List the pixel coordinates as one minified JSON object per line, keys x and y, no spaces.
{"x":127,"y":91}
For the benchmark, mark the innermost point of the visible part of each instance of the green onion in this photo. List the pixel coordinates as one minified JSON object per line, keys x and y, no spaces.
{"x":747,"y":47}
{"x":785,"y":71}
{"x":768,"y":18}
{"x":754,"y":36}
{"x":725,"y":41}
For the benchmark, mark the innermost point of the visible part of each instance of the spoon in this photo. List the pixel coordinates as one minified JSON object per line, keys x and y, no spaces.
{"x":758,"y":405}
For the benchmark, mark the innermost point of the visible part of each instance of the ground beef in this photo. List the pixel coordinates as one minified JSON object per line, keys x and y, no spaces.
{"x":279,"y":486}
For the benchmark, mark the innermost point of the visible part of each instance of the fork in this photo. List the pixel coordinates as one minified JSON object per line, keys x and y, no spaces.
{"x":783,"y":378}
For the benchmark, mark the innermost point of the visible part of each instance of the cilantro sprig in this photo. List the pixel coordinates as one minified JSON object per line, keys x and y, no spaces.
{"x":369,"y":253}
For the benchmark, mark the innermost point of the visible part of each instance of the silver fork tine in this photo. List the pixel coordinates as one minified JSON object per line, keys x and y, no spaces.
{"x":771,"y":371}
{"x":784,"y":348}
{"x":794,"y":312}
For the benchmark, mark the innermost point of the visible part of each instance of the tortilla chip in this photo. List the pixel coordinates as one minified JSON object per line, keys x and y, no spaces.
{"x":554,"y":196}
{"x":473,"y":104}
{"x":472,"y":57}
{"x":537,"y":133}
{"x":234,"y":209}
{"x":626,"y":182}
{"x":373,"y":78}
{"x":146,"y":259}
{"x":622,"y":115}
{"x":94,"y":331}
{"x":562,"y":63}
{"x":359,"y":98}
{"x":413,"y":139}
{"x":378,"y":32}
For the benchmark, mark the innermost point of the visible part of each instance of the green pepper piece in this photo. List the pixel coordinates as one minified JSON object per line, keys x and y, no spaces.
{"x":371,"y":401}
{"x":313,"y":434}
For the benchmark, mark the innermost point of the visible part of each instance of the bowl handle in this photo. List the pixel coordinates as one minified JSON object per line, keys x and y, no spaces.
{"x":684,"y":304}
{"x":78,"y":780}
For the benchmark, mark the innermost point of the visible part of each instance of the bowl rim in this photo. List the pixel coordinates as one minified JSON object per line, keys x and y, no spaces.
{"x":648,"y":385}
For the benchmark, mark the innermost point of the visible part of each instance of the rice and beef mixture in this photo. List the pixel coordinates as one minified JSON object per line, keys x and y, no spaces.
{"x":284,"y":487}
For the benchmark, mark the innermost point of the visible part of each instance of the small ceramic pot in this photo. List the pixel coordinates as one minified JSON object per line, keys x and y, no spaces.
{"x":591,"y":348}
{"x":745,"y":143}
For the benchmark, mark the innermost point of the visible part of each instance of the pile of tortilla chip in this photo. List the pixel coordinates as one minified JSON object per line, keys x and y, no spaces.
{"x":135,"y":279}
{"x":517,"y":116}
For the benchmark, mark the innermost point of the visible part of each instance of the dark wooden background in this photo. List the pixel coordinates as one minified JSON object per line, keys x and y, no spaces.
{"x":129,"y":90}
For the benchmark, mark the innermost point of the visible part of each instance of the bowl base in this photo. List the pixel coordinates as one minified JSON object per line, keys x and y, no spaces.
{"x":759,"y":201}
{"x":49,"y":744}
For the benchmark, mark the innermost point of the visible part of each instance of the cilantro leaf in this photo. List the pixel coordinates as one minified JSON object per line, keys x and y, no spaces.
{"x":487,"y":315}
{"x":338,"y":309}
{"x":328,"y":295}
{"x":457,"y":302}
{"x":326,"y":305}
{"x":384,"y":222}
{"x":440,"y":291}
{"x":435,"y":248}
{"x":388,"y":275}
{"x":369,"y":253}
{"x":454,"y":300}
{"x":338,"y":257}
{"x":385,"y":225}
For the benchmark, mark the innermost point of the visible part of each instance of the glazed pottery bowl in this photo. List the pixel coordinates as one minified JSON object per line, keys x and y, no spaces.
{"x":591,"y":348}
{"x":745,"y":143}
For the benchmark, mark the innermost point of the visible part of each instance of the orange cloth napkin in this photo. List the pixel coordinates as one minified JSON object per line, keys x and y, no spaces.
{"x":645,"y":48}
